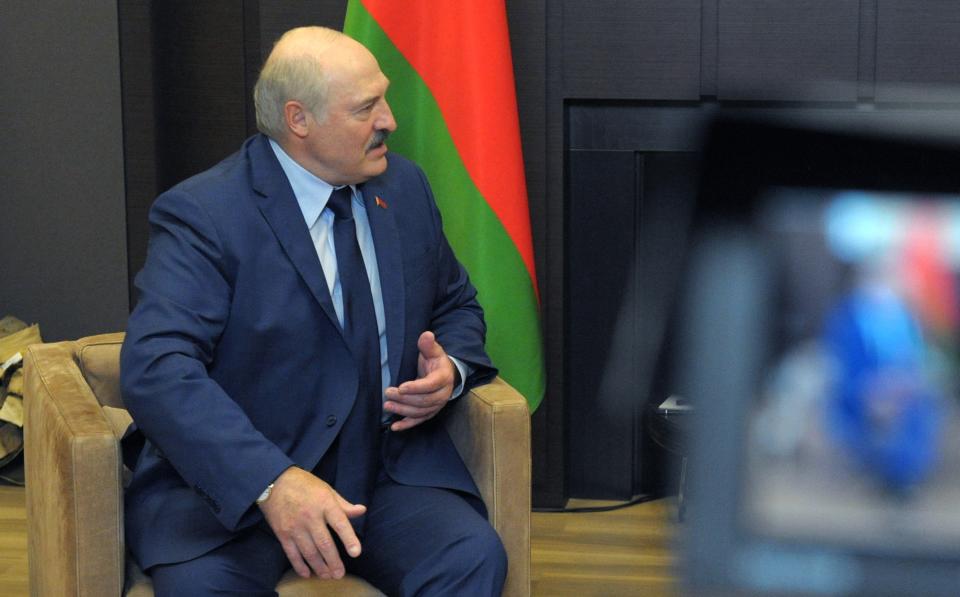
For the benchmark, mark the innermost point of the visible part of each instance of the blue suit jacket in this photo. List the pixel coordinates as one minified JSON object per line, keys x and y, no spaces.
{"x":234,"y":367}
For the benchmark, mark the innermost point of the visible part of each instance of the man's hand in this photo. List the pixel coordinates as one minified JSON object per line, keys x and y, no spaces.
{"x":421,"y":399}
{"x":302,"y":509}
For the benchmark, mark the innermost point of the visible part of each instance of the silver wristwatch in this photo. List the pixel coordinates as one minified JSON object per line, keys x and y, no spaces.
{"x":265,"y":495}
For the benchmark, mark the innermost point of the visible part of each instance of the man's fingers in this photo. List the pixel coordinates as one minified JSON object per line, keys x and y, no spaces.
{"x":326,"y":555}
{"x":296,"y":560}
{"x":303,"y":512}
{"x":426,"y":398}
{"x":433,"y":382}
{"x":429,"y":347}
{"x":351,"y":510}
{"x":342,"y":527}
{"x":408,"y":410}
{"x":307,"y":547}
{"x":408,"y":422}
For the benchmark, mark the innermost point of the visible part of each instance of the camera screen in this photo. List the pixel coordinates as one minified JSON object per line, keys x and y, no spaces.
{"x":854,"y":439}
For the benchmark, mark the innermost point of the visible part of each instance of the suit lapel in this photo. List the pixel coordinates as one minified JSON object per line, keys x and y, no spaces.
{"x":386,"y":240}
{"x":282,"y":213}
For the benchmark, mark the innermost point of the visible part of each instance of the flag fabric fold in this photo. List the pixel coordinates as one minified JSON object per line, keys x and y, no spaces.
{"x":452,"y":93}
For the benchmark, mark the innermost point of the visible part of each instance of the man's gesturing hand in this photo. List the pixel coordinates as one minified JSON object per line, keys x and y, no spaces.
{"x":302,"y":509}
{"x":421,"y":399}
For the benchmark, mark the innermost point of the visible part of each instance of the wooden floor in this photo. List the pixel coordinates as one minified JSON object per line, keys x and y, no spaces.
{"x":623,"y":552}
{"x":13,"y":542}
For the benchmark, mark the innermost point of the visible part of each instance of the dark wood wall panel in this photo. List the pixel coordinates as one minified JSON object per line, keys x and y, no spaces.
{"x":550,"y":487}
{"x":639,"y":49}
{"x":918,"y":43}
{"x":709,"y":47}
{"x":633,"y":172}
{"x":635,"y":126}
{"x":527,"y":21}
{"x":279,"y":16}
{"x":780,"y":50}
{"x":628,"y":215}
{"x":668,"y":192}
{"x":62,"y":233}
{"x":601,"y":305}
{"x":867,"y":53}
{"x":139,"y":131}
{"x":199,"y":70}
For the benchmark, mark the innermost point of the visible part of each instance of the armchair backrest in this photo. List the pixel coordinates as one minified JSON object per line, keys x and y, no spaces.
{"x":99,"y":360}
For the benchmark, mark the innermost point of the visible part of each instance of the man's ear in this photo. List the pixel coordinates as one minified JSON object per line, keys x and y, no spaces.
{"x":295,"y":115}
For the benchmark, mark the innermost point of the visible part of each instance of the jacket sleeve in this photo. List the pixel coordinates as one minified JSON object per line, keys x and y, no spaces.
{"x":185,"y":294}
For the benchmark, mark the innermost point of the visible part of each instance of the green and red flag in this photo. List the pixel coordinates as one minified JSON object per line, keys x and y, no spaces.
{"x":452,"y":93}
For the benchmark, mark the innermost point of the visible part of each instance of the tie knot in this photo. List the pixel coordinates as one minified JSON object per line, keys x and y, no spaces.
{"x":340,"y":203}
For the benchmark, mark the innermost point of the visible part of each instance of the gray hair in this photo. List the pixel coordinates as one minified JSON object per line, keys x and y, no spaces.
{"x":283,"y":78}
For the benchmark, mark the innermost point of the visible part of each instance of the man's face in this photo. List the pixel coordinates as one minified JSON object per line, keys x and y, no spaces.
{"x":347,"y":145}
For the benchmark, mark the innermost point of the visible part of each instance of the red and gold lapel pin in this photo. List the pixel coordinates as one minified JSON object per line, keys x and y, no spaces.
{"x":380,"y":202}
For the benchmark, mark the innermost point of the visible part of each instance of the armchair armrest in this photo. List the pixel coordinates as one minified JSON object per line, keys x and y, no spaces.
{"x":73,"y":485}
{"x":491,"y":430}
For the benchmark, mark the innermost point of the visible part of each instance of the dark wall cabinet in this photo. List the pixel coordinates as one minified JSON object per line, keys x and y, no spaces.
{"x":630,"y":87}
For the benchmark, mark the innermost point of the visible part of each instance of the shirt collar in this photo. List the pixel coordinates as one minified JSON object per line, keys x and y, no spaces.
{"x":311,"y":192}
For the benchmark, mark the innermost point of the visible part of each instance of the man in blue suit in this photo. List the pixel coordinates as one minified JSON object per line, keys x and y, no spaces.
{"x":276,"y":434}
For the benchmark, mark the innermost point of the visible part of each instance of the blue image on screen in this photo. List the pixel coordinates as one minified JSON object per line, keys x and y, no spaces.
{"x":855,"y":436}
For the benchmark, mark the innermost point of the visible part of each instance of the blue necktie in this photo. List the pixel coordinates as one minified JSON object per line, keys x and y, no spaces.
{"x":359,"y":440}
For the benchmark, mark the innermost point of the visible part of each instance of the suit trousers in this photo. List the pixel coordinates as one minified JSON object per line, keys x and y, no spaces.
{"x":418,"y":541}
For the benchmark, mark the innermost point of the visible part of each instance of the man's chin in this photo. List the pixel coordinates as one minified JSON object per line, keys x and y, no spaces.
{"x":376,"y":165}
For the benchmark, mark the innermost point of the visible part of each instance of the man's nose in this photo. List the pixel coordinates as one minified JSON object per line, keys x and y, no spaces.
{"x":386,"y":120}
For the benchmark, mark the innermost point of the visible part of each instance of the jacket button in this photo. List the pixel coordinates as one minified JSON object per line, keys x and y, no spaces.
{"x":331,"y":420}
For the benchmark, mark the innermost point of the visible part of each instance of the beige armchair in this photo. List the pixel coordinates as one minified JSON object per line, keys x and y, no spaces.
{"x":74,"y":416}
